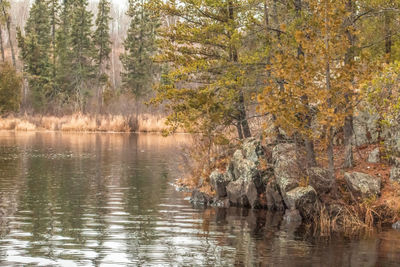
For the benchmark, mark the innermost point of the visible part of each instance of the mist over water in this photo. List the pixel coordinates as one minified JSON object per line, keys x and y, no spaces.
{"x":107,"y":200}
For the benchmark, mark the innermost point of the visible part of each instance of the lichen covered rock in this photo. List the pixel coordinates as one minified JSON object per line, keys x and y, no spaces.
{"x":363,"y":184}
{"x":301,"y":198}
{"x":286,"y":168}
{"x":374,"y":156}
{"x":395,"y":174}
{"x":320,"y":180}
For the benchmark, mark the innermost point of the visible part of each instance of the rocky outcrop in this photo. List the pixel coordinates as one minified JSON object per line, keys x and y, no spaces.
{"x":362,"y":184}
{"x":243,"y":182}
{"x":302,"y":198}
{"x":374,"y":156}
{"x":287,"y":170}
{"x":320,"y":180}
{"x":392,"y":139}
{"x":219,"y":181}
{"x":365,"y":126}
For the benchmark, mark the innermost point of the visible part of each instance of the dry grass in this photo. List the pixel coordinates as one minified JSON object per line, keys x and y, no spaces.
{"x":85,"y":123}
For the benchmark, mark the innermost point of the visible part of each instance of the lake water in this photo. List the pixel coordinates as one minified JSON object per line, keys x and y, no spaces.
{"x":108,"y":200}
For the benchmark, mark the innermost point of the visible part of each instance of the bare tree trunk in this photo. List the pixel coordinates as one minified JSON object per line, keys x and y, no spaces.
{"x":329,"y":100}
{"x":241,"y":103}
{"x":348,"y":147}
{"x":1,"y":45}
{"x":331,"y":163}
{"x":9,"y":37}
{"x":348,"y":123}
{"x":388,"y":38}
{"x":239,"y":130}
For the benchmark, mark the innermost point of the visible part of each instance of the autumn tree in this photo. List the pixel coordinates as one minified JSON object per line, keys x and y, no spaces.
{"x":318,"y":82}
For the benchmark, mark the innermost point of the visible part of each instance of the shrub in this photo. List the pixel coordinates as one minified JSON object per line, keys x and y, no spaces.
{"x":10,"y":89}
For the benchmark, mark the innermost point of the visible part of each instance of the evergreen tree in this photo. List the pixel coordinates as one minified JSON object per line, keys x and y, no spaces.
{"x":82,"y":53}
{"x":101,"y":37}
{"x":140,"y":46}
{"x":54,"y":9}
{"x":10,"y":89}
{"x":102,"y":42}
{"x":209,"y":64}
{"x":64,"y":54}
{"x":35,"y":47}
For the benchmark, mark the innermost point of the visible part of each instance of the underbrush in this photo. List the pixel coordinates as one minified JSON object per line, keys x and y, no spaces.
{"x":85,"y":123}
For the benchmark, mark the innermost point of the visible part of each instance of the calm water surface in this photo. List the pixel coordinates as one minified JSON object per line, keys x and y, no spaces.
{"x":107,"y":200}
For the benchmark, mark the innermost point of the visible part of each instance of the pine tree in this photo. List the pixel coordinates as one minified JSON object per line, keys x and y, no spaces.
{"x":82,"y":53}
{"x":35,"y":53}
{"x":64,"y":54}
{"x":10,"y":88}
{"x":54,"y":8}
{"x":209,"y":64}
{"x":102,"y":42}
{"x":140,"y":46}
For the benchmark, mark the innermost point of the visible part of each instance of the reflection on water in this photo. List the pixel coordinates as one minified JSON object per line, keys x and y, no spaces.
{"x":107,"y":199}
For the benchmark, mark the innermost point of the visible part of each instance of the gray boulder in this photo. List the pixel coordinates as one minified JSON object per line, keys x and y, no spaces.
{"x":200,"y":198}
{"x":219,"y":181}
{"x":374,"y":156}
{"x":301,"y":198}
{"x":320,"y":179}
{"x":392,"y":139}
{"x":252,"y":150}
{"x":365,"y":127}
{"x":396,"y":225}
{"x":236,"y":193}
{"x":243,"y":194}
{"x":286,"y":168}
{"x":245,"y":169}
{"x":363,"y":184}
{"x":395,"y":174}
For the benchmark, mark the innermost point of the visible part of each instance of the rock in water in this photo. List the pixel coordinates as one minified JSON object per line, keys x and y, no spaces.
{"x":292,"y":216}
{"x":301,"y":198}
{"x":274,"y":198}
{"x":200,"y":198}
{"x":363,"y":184}
{"x":219,"y":181}
{"x":374,"y":156}
{"x":236,"y":193}
{"x":320,"y":179}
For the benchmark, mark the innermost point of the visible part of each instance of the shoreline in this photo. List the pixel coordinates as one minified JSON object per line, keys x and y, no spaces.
{"x":274,"y":178}
{"x":144,"y":123}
